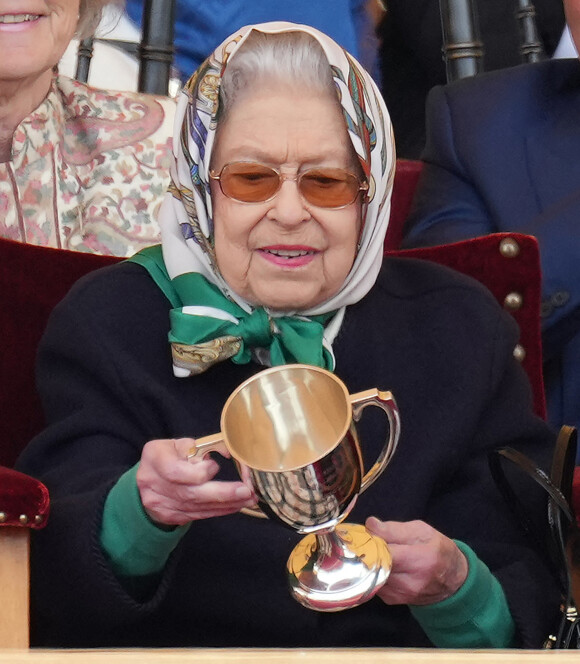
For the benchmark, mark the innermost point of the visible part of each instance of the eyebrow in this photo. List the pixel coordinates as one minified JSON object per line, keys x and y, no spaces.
{"x":254,"y":152}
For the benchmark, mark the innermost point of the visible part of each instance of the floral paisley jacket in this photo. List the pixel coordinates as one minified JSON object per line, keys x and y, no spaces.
{"x":88,"y":170}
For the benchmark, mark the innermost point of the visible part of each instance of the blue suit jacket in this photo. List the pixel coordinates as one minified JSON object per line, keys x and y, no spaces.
{"x":503,"y":154}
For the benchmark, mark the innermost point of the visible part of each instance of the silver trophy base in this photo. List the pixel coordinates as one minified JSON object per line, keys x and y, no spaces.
{"x":338,"y":569}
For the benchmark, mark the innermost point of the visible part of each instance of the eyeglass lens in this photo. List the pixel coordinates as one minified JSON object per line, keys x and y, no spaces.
{"x":324,"y":187}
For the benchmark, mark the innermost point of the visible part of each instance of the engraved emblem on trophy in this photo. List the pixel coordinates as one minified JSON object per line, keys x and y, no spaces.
{"x":290,"y":430}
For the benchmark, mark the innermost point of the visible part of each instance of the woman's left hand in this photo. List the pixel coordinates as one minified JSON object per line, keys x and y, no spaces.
{"x":427,"y":566}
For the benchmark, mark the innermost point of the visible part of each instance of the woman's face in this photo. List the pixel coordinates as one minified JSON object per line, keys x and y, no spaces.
{"x":284,"y":253}
{"x":34,"y":35}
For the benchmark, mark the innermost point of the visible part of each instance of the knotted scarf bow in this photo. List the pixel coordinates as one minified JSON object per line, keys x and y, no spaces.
{"x":207,"y":327}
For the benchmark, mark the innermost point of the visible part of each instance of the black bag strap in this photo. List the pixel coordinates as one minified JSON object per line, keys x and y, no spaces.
{"x":558,"y":487}
{"x":564,"y":462}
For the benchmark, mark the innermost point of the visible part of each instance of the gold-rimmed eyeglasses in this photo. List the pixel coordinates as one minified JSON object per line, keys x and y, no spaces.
{"x":251,"y":182}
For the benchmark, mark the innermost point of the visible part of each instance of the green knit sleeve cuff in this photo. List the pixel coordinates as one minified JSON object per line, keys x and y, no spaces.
{"x":476,"y":616}
{"x":134,"y":544}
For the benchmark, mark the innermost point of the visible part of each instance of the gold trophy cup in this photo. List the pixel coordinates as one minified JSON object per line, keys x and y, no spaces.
{"x":290,"y":431}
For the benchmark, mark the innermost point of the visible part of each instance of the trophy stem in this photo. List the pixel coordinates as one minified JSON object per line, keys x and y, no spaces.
{"x":338,"y":569}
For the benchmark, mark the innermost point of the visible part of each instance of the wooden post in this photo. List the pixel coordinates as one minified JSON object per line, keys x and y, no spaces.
{"x":84,"y":56}
{"x":156,"y":48}
{"x":531,"y":48}
{"x":462,"y":46}
{"x":15,"y":585}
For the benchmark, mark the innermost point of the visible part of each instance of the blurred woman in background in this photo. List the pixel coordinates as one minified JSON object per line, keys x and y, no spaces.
{"x":80,"y":168}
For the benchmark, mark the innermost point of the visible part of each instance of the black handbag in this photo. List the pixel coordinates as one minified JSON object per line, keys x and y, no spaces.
{"x":562,"y":549}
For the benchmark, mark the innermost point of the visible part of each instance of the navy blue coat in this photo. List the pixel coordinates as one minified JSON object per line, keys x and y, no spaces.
{"x":438,"y":340}
{"x":503,"y":155}
{"x":411,"y":62}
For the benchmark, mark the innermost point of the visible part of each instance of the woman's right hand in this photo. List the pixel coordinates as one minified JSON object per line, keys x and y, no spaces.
{"x":175,"y":490}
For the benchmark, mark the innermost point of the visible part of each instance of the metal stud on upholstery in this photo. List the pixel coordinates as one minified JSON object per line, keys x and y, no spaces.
{"x":509,"y":248}
{"x":513,"y":301}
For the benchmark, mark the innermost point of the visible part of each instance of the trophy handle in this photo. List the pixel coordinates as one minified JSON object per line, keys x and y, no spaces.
{"x":386,"y":402}
{"x":210,"y":444}
{"x":206,"y":444}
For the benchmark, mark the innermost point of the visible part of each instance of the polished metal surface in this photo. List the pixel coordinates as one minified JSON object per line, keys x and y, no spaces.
{"x":509,"y":248}
{"x":286,"y":417}
{"x":513,"y":301}
{"x":317,"y":495}
{"x":319,"y":583}
{"x":519,"y":353}
{"x":290,"y":430}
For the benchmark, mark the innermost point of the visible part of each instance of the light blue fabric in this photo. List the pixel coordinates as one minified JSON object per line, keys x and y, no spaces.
{"x":202,"y":26}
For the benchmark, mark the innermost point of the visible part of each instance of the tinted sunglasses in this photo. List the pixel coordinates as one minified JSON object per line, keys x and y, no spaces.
{"x":249,"y":182}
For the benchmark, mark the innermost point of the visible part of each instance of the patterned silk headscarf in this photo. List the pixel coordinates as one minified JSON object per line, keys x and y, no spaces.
{"x":214,"y":323}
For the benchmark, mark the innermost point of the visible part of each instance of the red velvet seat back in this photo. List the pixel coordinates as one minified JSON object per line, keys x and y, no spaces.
{"x":406,"y":177}
{"x":514,"y":278}
{"x":508,"y":264}
{"x":32,"y":280}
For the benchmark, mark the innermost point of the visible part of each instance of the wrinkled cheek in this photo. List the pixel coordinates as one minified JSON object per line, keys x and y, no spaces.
{"x":234,"y":262}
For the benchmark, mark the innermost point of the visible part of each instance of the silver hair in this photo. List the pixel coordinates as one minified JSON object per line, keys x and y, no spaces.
{"x":90,"y":13}
{"x":288,"y":58}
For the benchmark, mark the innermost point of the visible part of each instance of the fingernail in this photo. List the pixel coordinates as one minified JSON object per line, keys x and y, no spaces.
{"x":243,"y":493}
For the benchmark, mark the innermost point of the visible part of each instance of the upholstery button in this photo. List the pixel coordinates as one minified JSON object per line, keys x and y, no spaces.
{"x":559,"y":298}
{"x":3,"y":517}
{"x":509,"y":248}
{"x":519,"y":353}
{"x":513,"y":301}
{"x":23,"y":519}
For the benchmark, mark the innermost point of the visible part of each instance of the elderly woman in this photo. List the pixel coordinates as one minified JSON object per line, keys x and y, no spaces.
{"x":80,"y":168}
{"x":272,"y":253}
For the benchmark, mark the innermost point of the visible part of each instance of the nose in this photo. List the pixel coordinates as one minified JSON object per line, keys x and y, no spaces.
{"x":288,"y":207}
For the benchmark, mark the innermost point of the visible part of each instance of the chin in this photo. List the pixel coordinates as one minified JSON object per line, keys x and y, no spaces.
{"x":284,"y":296}
{"x":291,"y":303}
{"x":290,"y":306}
